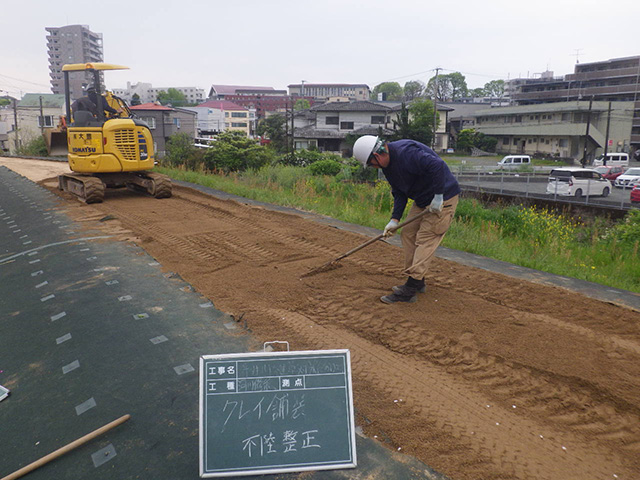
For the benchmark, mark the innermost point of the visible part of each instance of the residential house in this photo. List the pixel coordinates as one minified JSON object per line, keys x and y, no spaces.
{"x":166,"y":121}
{"x":147,"y":93}
{"x":334,"y":121}
{"x":559,"y":129}
{"x":220,"y":92}
{"x":37,"y":113}
{"x":324,"y":91}
{"x":215,"y":116}
{"x":441,"y":141}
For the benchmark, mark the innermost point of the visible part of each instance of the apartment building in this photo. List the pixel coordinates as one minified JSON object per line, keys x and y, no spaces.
{"x":323,"y":91}
{"x":559,"y":129}
{"x":217,"y":116}
{"x":72,"y":44}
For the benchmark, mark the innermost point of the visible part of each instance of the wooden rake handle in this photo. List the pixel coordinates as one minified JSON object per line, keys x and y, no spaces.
{"x":375,"y":239}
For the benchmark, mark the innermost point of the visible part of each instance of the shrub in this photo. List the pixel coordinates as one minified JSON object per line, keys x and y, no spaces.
{"x":36,"y":147}
{"x":326,"y":167}
{"x":181,"y":151}
{"x":234,"y":152}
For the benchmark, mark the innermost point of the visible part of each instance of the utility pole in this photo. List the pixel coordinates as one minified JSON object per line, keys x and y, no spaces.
{"x":586,"y":135}
{"x":41,"y":118}
{"x":435,"y":111}
{"x":606,"y":142}
{"x":15,"y":127}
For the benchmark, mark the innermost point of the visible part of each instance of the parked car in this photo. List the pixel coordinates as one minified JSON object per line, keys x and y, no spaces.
{"x":610,"y":173}
{"x":576,"y":182}
{"x":629,"y":178}
{"x":514,"y":161}
{"x":635,"y":194}
{"x":612,"y":160}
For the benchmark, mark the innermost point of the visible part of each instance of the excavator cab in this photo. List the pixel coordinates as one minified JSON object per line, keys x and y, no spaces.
{"x":107,"y":150}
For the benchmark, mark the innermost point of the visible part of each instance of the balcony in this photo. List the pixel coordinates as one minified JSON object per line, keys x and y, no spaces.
{"x":575,"y":92}
{"x":603,"y":74}
{"x":635,"y":139}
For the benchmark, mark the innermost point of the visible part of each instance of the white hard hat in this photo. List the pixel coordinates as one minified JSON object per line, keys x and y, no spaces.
{"x":364,"y":147}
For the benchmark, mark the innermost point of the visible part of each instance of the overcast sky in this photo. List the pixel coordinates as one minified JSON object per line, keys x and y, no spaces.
{"x":279,"y":42}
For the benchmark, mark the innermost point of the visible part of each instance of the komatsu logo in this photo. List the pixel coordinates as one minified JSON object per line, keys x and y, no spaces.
{"x":84,"y":150}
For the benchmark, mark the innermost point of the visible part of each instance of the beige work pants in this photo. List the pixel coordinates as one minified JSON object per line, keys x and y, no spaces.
{"x":421,"y":238}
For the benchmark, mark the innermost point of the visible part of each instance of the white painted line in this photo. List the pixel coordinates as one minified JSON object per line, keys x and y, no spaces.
{"x":23,"y":236}
{"x":14,"y":226}
{"x":32,"y":254}
{"x":33,"y":251}
{"x":70,"y":367}
{"x":91,"y":259}
{"x":84,"y":406}
{"x":12,"y":221}
{"x":16,"y":231}
{"x":58,"y":316}
{"x":48,"y":297}
{"x":42,"y":284}
{"x":154,"y":264}
{"x":140,"y":316}
{"x":182,"y":369}
{"x":27,"y":242}
{"x":63,"y":338}
{"x":85,"y":249}
{"x":158,"y":339}
{"x":34,"y":261}
{"x":206,"y":305}
{"x":125,"y":298}
{"x":35,"y":274}
{"x":112,"y":282}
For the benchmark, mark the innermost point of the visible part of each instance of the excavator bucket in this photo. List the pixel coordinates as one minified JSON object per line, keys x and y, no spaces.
{"x":56,"y":141}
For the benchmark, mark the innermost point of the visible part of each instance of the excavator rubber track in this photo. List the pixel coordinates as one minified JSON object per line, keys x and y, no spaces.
{"x":87,"y":188}
{"x":90,"y":188}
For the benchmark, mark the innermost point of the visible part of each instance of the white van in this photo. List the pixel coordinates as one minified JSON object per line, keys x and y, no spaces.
{"x":515,"y":161}
{"x":576,"y":182}
{"x":613,"y":160}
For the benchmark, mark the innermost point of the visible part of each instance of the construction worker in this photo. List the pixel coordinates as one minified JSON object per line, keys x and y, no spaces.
{"x":415,"y":172}
{"x":91,"y":93}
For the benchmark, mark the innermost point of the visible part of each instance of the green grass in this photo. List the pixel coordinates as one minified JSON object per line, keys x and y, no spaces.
{"x":595,"y":251}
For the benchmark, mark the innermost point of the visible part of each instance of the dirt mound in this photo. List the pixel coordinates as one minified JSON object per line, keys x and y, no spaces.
{"x":485,"y":377}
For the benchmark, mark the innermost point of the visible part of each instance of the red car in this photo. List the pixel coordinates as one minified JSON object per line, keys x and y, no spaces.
{"x":610,"y":173}
{"x":635,"y":194}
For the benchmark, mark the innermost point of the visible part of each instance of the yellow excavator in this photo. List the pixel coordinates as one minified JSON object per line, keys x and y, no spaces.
{"x":106,"y":151}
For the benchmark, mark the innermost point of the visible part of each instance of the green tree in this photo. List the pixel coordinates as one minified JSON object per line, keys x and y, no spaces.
{"x":4,"y":102}
{"x":393,"y":91}
{"x":135,"y":99}
{"x":172,"y":97}
{"x":302,"y":104}
{"x":235,"y":152}
{"x":494,"y":88}
{"x":413,"y":89}
{"x":415,"y":121}
{"x":444,"y":88}
{"x":469,"y":138}
{"x":274,"y":128}
{"x":180,"y":150}
{"x":477,"y":92}
{"x":458,"y":84}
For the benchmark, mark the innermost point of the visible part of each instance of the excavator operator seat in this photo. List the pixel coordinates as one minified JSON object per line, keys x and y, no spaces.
{"x":83,"y":118}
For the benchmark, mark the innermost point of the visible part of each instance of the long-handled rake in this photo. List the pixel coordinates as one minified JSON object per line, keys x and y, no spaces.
{"x":333,"y":264}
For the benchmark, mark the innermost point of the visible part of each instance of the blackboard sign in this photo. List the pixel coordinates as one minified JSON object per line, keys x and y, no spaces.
{"x":276,"y":412}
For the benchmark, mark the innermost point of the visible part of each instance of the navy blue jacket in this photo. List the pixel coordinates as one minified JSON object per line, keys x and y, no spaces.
{"x":417,"y":172}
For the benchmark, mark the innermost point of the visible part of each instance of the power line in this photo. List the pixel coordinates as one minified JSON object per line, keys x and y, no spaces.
{"x":24,"y":81}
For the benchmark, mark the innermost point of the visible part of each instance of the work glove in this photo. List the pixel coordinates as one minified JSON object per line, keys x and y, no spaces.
{"x":436,"y":203}
{"x":390,"y":228}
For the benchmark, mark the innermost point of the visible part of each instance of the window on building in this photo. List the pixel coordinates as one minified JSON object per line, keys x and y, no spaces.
{"x":377,"y":119}
{"x":563,"y":143}
{"x":332,"y":120}
{"x":346,"y":125}
{"x":566,"y":117}
{"x":46,"y":121}
{"x":505,"y":141}
{"x":239,"y":114}
{"x":518,"y":119}
{"x":176,"y":122}
{"x":151,"y":121}
{"x":239,"y":124}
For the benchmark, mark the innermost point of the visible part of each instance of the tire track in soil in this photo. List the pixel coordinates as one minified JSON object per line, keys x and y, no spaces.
{"x":460,"y":348}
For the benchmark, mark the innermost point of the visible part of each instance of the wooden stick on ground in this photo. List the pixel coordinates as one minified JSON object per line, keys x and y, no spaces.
{"x":67,"y":448}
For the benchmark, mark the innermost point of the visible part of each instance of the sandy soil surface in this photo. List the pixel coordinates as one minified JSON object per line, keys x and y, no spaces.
{"x":485,"y":377}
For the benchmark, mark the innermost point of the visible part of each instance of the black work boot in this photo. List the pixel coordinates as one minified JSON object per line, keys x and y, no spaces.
{"x":408,"y":295}
{"x":418,"y":285}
